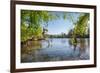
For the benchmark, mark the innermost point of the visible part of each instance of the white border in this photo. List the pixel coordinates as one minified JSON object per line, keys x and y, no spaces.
{"x":52,"y":64}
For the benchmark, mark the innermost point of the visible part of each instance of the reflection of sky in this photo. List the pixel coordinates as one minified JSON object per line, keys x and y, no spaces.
{"x":61,"y":25}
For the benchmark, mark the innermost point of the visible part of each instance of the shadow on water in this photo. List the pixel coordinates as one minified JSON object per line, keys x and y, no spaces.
{"x":54,"y":50}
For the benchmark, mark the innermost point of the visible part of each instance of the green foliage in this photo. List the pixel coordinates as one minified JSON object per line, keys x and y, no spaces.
{"x":23,"y":32}
{"x":81,"y":27}
{"x":31,"y":23}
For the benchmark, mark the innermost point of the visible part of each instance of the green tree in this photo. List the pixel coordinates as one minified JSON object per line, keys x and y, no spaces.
{"x":31,"y":23}
{"x":81,"y":25}
{"x":80,"y":28}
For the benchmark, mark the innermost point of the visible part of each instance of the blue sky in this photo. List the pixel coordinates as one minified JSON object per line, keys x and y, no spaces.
{"x":61,"y":25}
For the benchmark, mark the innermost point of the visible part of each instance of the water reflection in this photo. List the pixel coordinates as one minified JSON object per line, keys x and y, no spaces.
{"x":83,"y":48}
{"x":54,"y":50}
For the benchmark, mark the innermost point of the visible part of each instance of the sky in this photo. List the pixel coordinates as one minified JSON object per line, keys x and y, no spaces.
{"x":61,"y":25}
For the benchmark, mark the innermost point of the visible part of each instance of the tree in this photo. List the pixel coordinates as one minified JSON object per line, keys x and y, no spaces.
{"x":81,"y":25}
{"x":31,"y":23}
{"x":80,"y":28}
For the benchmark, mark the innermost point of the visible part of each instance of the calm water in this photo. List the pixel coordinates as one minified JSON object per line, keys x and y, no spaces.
{"x":56,"y":49}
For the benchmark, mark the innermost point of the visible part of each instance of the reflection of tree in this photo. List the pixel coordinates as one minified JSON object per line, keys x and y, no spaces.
{"x":82,"y":48}
{"x":30,"y":45}
{"x":49,"y":43}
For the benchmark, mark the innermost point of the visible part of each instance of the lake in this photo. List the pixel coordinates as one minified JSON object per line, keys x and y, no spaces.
{"x":55,"y":49}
